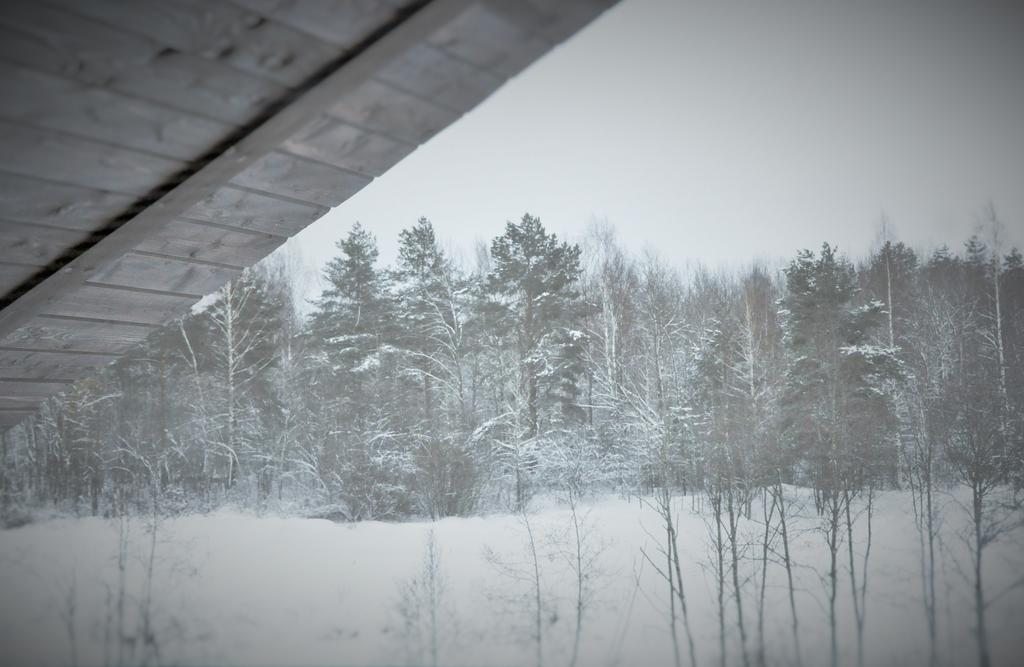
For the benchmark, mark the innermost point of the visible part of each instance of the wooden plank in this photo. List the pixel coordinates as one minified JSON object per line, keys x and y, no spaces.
{"x":290,"y":176}
{"x":42,"y":365}
{"x":336,"y":142}
{"x":39,"y":153}
{"x":30,"y":389}
{"x":189,"y":240}
{"x":9,"y":418}
{"x":382,"y":108}
{"x":38,"y":245}
{"x":344,"y":23}
{"x":200,"y":86}
{"x":217,"y":31}
{"x":25,"y":395}
{"x":13,"y":276}
{"x":492,"y":39}
{"x":60,"y":294}
{"x":21,"y":404}
{"x":72,"y":336}
{"x":26,"y":199}
{"x":237,"y":207}
{"x":47,"y":101}
{"x":46,"y":38}
{"x":163,"y":274}
{"x":90,"y":52}
{"x":119,"y":305}
{"x":434,"y":75}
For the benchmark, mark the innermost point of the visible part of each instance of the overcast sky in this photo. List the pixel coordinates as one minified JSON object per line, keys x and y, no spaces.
{"x":725,"y":131}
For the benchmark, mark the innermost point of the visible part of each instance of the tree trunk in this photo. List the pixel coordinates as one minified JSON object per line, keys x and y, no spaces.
{"x":832,"y":541}
{"x":735,"y":566}
{"x":788,"y":563}
{"x":581,"y":578}
{"x":680,"y":591}
{"x":768,"y":514}
{"x":671,"y":591}
{"x":537,"y":599}
{"x":716,"y":508}
{"x":984,"y":658}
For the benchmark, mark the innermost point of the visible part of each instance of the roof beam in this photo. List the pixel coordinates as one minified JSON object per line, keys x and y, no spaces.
{"x":288,"y":120}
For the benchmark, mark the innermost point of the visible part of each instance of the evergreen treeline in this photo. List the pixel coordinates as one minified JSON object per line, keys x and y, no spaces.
{"x":433,"y":388}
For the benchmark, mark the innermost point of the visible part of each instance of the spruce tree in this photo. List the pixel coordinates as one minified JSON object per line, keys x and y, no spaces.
{"x":353,"y":370}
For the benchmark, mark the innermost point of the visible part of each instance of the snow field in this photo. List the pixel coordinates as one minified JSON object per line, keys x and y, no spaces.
{"x":231,"y":588}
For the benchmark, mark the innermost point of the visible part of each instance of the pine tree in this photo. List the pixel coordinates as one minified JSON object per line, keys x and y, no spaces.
{"x":534,"y":303}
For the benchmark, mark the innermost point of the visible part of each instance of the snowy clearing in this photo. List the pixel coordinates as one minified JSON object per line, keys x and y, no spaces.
{"x":232,"y":588}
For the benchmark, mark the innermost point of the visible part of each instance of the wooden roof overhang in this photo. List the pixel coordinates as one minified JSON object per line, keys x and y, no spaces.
{"x":153,"y":149}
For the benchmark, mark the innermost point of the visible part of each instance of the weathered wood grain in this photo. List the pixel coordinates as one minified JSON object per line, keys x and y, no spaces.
{"x":336,"y":142}
{"x":35,"y":244}
{"x":119,"y":305}
{"x":47,"y":101}
{"x":291,"y":176}
{"x":59,"y":42}
{"x":55,"y":41}
{"x":383,"y":108}
{"x":163,"y":274}
{"x":74,"y":336}
{"x":43,"y":365}
{"x":343,"y":23}
{"x":199,"y":86}
{"x":191,"y":240}
{"x":27,"y":199}
{"x":317,"y":182}
{"x":217,"y":31}
{"x":435,"y":75}
{"x":238,"y":207}
{"x":38,"y":153}
{"x":277,"y":172}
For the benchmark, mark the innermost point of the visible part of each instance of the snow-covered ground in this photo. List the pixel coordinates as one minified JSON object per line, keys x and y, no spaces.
{"x":230,"y":588}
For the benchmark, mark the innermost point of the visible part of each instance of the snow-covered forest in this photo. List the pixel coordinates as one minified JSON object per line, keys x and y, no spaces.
{"x":552,"y":453}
